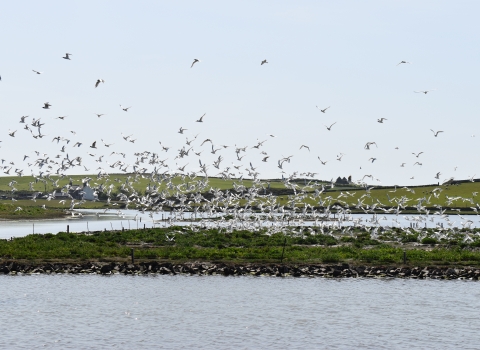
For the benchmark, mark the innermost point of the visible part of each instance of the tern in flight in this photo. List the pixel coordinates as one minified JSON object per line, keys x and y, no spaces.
{"x":403,"y":62}
{"x":330,"y":127}
{"x":99,"y":81}
{"x":435,"y":133}
{"x":381,"y":120}
{"x":323,"y":162}
{"x":36,"y":71}
{"x":47,"y":105}
{"x":67,"y":56}
{"x":98,"y":115}
{"x":263,"y":62}
{"x":303,"y":146}
{"x":424,"y":91}
{"x":94,"y":144}
{"x":323,"y":110}
{"x":181,"y":130}
{"x":417,"y":154}
{"x":195,"y":61}
{"x":125,"y":108}
{"x":201,"y":118}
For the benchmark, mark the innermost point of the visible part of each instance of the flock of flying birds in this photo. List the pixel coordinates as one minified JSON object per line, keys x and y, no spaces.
{"x":193,"y":193}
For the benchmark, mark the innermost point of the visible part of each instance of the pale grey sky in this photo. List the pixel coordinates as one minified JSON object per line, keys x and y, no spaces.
{"x":341,"y":54}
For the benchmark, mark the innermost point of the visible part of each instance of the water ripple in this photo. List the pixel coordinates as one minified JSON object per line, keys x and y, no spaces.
{"x":189,"y":312}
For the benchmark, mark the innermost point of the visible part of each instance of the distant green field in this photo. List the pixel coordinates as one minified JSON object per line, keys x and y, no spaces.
{"x":140,"y":182}
{"x":463,"y":195}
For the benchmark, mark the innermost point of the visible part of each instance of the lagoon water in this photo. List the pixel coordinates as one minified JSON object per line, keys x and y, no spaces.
{"x":98,"y":220}
{"x":215,"y":312}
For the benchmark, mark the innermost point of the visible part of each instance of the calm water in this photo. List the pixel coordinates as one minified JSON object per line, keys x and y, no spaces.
{"x":96,"y":220}
{"x":191,"y":312}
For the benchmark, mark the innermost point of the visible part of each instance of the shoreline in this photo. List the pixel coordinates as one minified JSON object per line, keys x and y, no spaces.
{"x":148,"y":268}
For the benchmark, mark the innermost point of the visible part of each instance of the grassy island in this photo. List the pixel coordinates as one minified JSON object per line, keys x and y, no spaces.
{"x":182,"y":244}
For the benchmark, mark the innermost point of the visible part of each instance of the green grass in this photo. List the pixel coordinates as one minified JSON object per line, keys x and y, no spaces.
{"x":347,"y":196}
{"x":183,"y":244}
{"x":140,"y":184}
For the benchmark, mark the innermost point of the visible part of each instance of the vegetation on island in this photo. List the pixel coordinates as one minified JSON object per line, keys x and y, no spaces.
{"x":296,"y":245}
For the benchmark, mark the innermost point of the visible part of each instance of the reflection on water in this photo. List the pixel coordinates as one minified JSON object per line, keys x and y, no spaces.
{"x":187,"y":312}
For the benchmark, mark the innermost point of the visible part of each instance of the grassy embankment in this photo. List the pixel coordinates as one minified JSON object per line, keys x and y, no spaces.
{"x":180,"y":244}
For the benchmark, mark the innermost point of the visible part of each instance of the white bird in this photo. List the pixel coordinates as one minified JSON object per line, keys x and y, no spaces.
{"x":67,"y":56}
{"x":47,"y":105}
{"x":323,"y":162}
{"x":381,"y":120}
{"x":403,"y":62}
{"x":303,"y":146}
{"x":424,"y":91}
{"x":125,"y":108}
{"x":98,"y":115}
{"x":99,"y":81}
{"x":201,"y":118}
{"x":94,"y":144}
{"x":12,"y":133}
{"x":181,"y":130}
{"x":435,"y":133}
{"x":330,"y":127}
{"x":194,"y":61}
{"x":323,"y":110}
{"x":263,"y":62}
{"x":36,"y":71}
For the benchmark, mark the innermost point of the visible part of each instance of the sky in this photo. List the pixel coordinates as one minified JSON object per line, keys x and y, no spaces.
{"x":341,"y":54}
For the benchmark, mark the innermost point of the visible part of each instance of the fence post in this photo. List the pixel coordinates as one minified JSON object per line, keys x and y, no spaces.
{"x":283,"y":251}
{"x":68,"y":228}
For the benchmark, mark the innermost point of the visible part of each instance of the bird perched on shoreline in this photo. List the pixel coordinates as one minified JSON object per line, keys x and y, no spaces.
{"x":99,"y":81}
{"x":194,"y":61}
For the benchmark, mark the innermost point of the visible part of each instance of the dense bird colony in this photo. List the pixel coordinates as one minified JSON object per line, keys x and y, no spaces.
{"x":249,"y":202}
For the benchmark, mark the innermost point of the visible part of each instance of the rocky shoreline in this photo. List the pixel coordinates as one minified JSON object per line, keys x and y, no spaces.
{"x":206,"y":269}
